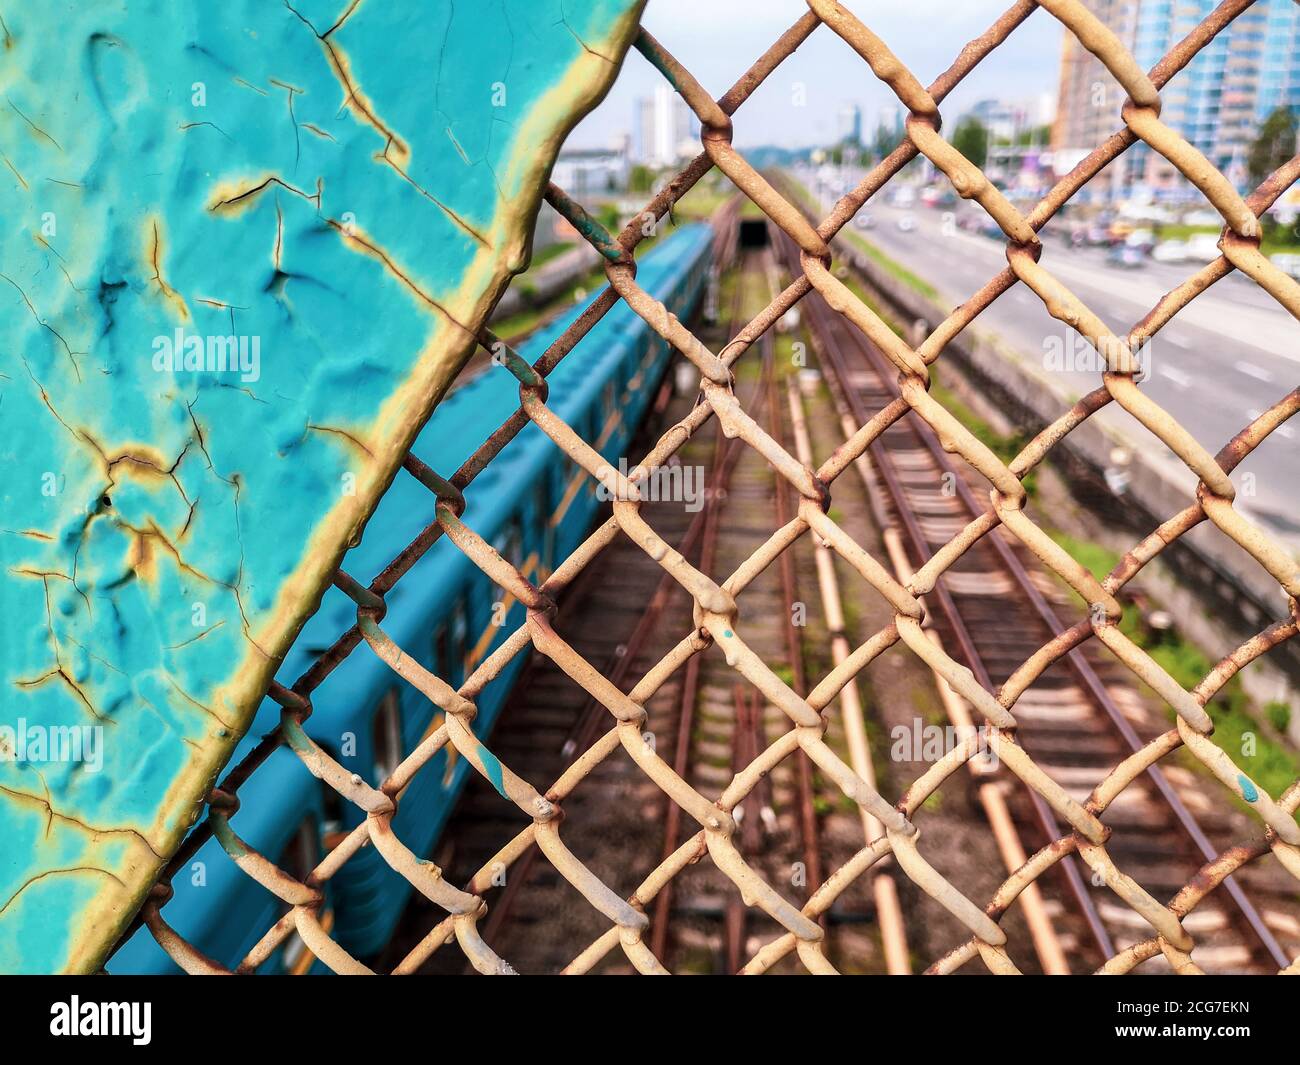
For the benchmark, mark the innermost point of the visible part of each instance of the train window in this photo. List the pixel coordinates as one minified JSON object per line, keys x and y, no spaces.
{"x":542,"y":520}
{"x":300,"y":856}
{"x":607,"y":398}
{"x":459,"y":635}
{"x":331,"y":817}
{"x":387,"y":735}
{"x":441,"y":661}
{"x":515,"y":543}
{"x":510,"y":544}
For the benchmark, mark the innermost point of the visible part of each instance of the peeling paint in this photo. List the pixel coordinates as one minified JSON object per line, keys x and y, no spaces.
{"x":164,"y":534}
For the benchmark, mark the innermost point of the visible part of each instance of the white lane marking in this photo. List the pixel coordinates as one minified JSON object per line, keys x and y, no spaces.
{"x":1176,"y":376}
{"x":1176,"y":340}
{"x":1251,"y":370}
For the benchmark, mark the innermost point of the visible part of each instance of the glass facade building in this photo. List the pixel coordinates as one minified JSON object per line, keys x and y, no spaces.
{"x":1218,"y":101}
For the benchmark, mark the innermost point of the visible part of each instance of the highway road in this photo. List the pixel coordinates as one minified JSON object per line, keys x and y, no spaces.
{"x":1228,"y":355}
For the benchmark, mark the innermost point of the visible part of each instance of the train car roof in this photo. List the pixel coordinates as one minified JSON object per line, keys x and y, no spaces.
{"x":458,"y":426}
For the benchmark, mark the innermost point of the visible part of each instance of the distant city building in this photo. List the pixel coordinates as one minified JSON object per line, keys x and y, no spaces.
{"x":850,"y":124}
{"x":890,"y":119}
{"x":1087,"y":108}
{"x":1218,"y":102}
{"x":592,"y":170}
{"x":1014,"y":148}
{"x":665,"y":128}
{"x":643,"y":126}
{"x":1003,"y":121}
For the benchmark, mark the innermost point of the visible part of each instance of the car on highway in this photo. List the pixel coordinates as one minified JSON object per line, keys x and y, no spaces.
{"x":1142,"y":239}
{"x":1118,"y":230}
{"x":1288,"y":263}
{"x":979,"y":222}
{"x":1126,"y":256}
{"x":1203,"y":247}
{"x":864,"y":220}
{"x":1092,"y":235}
{"x":1170,"y":251}
{"x":938,"y":197}
{"x":904,"y":196}
{"x":1202,"y":218}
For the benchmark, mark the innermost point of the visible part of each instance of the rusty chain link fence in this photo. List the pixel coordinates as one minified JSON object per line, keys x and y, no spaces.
{"x":718,"y":620}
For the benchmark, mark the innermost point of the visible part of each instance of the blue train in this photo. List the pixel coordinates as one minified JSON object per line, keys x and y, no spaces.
{"x":535,"y":506}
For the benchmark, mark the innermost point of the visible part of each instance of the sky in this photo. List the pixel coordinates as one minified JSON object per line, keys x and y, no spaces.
{"x":717,"y":40}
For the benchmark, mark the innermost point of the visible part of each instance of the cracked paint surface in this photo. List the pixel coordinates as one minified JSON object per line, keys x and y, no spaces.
{"x":328,"y":185}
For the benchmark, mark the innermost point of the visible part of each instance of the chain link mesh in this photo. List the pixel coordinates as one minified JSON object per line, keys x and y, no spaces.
{"x":717,"y":621}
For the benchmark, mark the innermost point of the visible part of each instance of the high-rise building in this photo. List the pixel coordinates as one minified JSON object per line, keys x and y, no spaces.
{"x":664,"y":128}
{"x":1089,"y":99}
{"x":643,"y":130}
{"x":1217,"y":102}
{"x":850,"y":124}
{"x":890,"y":117}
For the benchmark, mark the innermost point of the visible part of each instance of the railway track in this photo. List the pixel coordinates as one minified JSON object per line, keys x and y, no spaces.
{"x":618,"y":615}
{"x":614,"y":615}
{"x":626,"y":613}
{"x":700,"y":923}
{"x":992,"y":610}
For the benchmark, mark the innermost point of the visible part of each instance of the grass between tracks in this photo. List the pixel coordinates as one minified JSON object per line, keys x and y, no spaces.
{"x":1267,"y":759}
{"x":891,"y":266}
{"x":1239,"y":726}
{"x":704,"y":199}
{"x":517,"y":326}
{"x":1005,"y":446}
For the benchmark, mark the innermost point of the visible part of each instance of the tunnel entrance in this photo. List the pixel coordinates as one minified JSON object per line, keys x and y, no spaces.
{"x":753,"y":232}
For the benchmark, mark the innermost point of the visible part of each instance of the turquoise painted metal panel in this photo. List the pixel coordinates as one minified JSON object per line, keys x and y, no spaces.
{"x":245,"y":248}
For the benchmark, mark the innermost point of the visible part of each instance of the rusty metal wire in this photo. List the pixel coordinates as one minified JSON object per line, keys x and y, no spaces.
{"x":716,"y":615}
